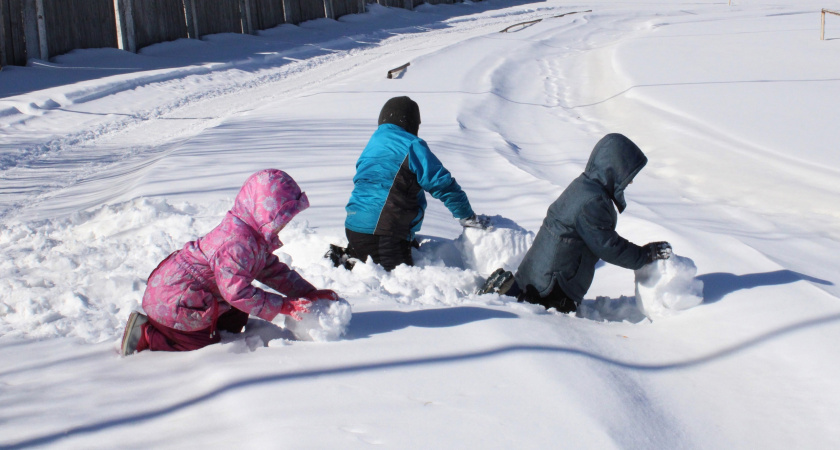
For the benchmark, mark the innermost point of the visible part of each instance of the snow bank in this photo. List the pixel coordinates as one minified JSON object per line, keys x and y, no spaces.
{"x":668,"y":285}
{"x":81,"y":276}
{"x":326,"y":321}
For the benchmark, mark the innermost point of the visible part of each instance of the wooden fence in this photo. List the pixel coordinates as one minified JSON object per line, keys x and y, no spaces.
{"x":71,"y":24}
{"x":45,"y":28}
{"x":12,"y":44}
{"x":154,"y":21}
{"x":267,"y":14}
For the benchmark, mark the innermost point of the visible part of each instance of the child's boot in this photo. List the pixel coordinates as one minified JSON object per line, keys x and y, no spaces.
{"x":133,"y":333}
{"x":499,"y":282}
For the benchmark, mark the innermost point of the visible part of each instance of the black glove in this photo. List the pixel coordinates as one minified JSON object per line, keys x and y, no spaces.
{"x":658,"y":250}
{"x":474,"y":221}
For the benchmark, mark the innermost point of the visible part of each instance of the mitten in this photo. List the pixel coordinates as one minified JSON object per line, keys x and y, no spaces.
{"x":321,"y":294}
{"x":474,"y":221}
{"x":294,"y":307}
{"x":658,"y":250}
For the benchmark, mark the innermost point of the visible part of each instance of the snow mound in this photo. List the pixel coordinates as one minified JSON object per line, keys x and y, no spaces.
{"x":503,"y":245}
{"x":326,"y":321}
{"x":668,"y":285}
{"x":82,"y":275}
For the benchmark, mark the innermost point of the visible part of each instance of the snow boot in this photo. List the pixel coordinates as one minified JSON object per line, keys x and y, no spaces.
{"x":339,"y":257}
{"x":499,"y":282}
{"x":133,"y":333}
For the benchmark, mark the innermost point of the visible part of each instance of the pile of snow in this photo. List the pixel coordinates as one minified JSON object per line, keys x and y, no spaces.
{"x":668,"y":285}
{"x":81,"y":276}
{"x":503,"y":245}
{"x":326,"y":321}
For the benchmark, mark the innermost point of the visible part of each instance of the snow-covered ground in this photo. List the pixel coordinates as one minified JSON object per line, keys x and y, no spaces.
{"x":110,"y":161}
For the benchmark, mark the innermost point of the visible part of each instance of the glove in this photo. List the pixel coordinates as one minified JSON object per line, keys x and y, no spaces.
{"x":658,"y":250}
{"x":294,"y":307}
{"x":321,"y":294}
{"x":480,"y":222}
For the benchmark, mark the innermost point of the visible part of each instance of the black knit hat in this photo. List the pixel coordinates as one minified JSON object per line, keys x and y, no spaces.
{"x":403,"y":112}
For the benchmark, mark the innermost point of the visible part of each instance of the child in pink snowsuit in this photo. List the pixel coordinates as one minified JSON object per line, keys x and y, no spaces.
{"x":206,"y":286}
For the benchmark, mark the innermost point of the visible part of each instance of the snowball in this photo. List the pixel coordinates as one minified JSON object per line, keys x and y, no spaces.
{"x":326,"y":321}
{"x":668,"y":285}
{"x":503,"y":245}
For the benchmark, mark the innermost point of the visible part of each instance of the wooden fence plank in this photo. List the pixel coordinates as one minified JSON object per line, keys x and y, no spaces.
{"x":25,"y":21}
{"x":72,"y":24}
{"x":158,"y":21}
{"x":267,"y":14}
{"x":217,"y":16}
{"x":311,"y":10}
{"x":292,"y":11}
{"x":5,"y":57}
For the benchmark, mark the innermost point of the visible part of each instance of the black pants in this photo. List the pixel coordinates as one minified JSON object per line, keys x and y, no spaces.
{"x":387,"y":251}
{"x":555,"y":299}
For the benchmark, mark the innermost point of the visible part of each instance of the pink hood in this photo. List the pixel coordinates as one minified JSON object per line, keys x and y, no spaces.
{"x":268,"y":201}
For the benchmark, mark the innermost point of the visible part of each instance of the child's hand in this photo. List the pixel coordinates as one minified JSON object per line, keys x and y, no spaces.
{"x":658,"y":250}
{"x":294,"y":307}
{"x":322,"y":294}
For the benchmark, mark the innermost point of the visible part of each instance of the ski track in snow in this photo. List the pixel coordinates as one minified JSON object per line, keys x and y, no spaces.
{"x":218,"y":97}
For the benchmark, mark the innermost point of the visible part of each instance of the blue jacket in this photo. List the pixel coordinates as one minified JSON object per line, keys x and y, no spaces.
{"x":579,"y":227}
{"x":392,"y":174}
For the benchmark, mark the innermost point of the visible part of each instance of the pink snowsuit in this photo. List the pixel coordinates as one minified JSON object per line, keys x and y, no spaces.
{"x":212,"y":275}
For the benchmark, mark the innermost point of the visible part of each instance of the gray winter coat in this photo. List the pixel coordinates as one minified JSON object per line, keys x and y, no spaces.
{"x":579,"y":227}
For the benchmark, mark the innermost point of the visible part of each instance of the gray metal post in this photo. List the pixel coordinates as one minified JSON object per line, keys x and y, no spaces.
{"x":44,"y":47}
{"x":408,"y":4}
{"x":362,"y":6}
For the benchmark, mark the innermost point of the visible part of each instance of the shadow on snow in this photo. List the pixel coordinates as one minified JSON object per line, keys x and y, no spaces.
{"x":465,"y":357}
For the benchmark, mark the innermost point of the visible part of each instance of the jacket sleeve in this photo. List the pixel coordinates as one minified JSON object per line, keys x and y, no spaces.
{"x":283,"y":279}
{"x":233,"y":266}
{"x":596,"y":226}
{"x":436,"y":180}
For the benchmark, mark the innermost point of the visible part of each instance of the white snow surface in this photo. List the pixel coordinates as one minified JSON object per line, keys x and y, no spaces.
{"x":112,"y":160}
{"x":666,"y":286}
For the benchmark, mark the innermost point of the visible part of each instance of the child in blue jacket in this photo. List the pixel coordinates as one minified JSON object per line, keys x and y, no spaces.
{"x":393,"y":174}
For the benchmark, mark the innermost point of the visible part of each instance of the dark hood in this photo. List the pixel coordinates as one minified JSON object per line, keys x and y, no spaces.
{"x":402,"y":112}
{"x":613,"y":164}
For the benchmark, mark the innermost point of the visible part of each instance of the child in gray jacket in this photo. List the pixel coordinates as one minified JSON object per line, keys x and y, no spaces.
{"x":578,"y":230}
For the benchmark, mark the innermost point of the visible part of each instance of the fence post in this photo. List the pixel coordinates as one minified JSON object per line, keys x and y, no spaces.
{"x":44,"y":46}
{"x":328,"y":9}
{"x":125,"y":25}
{"x":408,"y":4}
{"x":362,"y":6}
{"x":4,"y":60}
{"x":822,"y":25}
{"x":189,"y":18}
{"x":30,"y":29}
{"x":195,"y":20}
{"x":287,"y":12}
{"x":245,"y":16}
